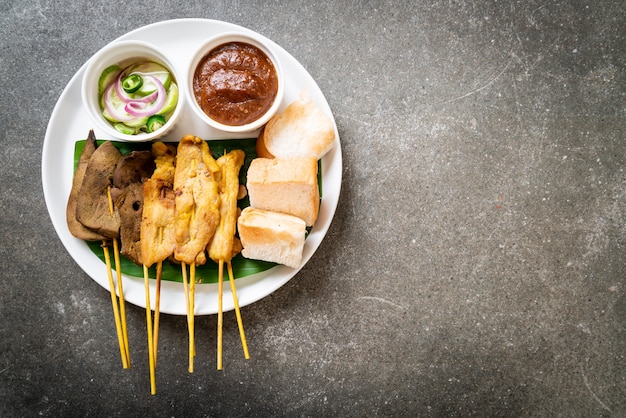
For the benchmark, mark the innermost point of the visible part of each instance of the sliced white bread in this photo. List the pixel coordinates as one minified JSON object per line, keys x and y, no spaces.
{"x":301,"y":130}
{"x":271,"y":236}
{"x":285,"y":185}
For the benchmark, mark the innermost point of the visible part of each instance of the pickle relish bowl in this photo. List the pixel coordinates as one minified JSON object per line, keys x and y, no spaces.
{"x":132,"y":92}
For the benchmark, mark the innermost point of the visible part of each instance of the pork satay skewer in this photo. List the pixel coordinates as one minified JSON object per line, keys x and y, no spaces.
{"x":157,"y":236}
{"x":197,"y":214}
{"x":222,"y":244}
{"x":146,"y":224}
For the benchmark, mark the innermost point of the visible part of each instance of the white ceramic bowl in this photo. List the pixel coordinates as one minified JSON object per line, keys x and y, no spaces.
{"x":214,"y":42}
{"x":124,"y":53}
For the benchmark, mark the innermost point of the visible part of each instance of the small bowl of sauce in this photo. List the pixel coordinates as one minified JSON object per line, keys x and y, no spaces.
{"x":235,"y":82}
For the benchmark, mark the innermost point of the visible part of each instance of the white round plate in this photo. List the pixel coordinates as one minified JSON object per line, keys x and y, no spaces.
{"x":70,"y":122}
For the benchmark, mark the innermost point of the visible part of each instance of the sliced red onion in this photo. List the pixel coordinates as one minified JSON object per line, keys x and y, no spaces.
{"x":125,"y":97}
{"x":140,"y":108}
{"x":115,"y":114}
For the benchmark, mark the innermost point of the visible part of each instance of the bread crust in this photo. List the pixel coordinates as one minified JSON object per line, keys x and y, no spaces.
{"x":271,"y":236}
{"x":285,"y":185}
{"x":261,"y":149}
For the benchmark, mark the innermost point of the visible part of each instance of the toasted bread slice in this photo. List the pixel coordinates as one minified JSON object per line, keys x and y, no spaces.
{"x":285,"y":185}
{"x":271,"y":236}
{"x":302,"y":130}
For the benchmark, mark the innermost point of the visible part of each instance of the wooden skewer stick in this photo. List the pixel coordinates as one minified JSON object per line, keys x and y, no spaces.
{"x":192,"y":313}
{"x":116,"y":313}
{"x":242,"y":335}
{"x":157,"y":309}
{"x":183,"y":270}
{"x":146,"y":279}
{"x":120,"y":288}
{"x":122,"y":300}
{"x":220,"y":313}
{"x":192,"y":350}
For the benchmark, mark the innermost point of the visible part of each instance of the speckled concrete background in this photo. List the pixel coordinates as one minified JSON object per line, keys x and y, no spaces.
{"x":476,"y":263}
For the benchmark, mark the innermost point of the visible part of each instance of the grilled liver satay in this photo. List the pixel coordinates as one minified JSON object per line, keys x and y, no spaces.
{"x":92,"y":203}
{"x":76,"y":228}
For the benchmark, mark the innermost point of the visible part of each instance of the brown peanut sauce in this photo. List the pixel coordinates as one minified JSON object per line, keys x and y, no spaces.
{"x":235,"y":83}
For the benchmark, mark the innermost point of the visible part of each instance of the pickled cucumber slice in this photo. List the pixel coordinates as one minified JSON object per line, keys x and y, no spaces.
{"x":108,"y":75}
{"x":154,"y":69}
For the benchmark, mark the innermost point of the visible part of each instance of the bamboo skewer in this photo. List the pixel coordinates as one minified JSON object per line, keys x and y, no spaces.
{"x":192,"y":310}
{"x":156,"y":240}
{"x":146,"y":278}
{"x":116,"y":313}
{"x":122,"y":300}
{"x":183,"y":270}
{"x":242,"y":335}
{"x":192,"y":349}
{"x":220,"y":313}
{"x":124,"y":351}
{"x":157,"y":309}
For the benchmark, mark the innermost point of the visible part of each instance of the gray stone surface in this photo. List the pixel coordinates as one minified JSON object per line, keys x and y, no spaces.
{"x":476,"y":263}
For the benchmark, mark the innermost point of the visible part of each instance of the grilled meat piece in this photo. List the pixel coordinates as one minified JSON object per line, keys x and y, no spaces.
{"x":76,"y":228}
{"x":92,"y":203}
{"x":158,"y":221}
{"x":129,"y":204}
{"x":133,"y":167}
{"x":197,"y":199}
{"x":221,"y":246}
{"x":127,"y":195}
